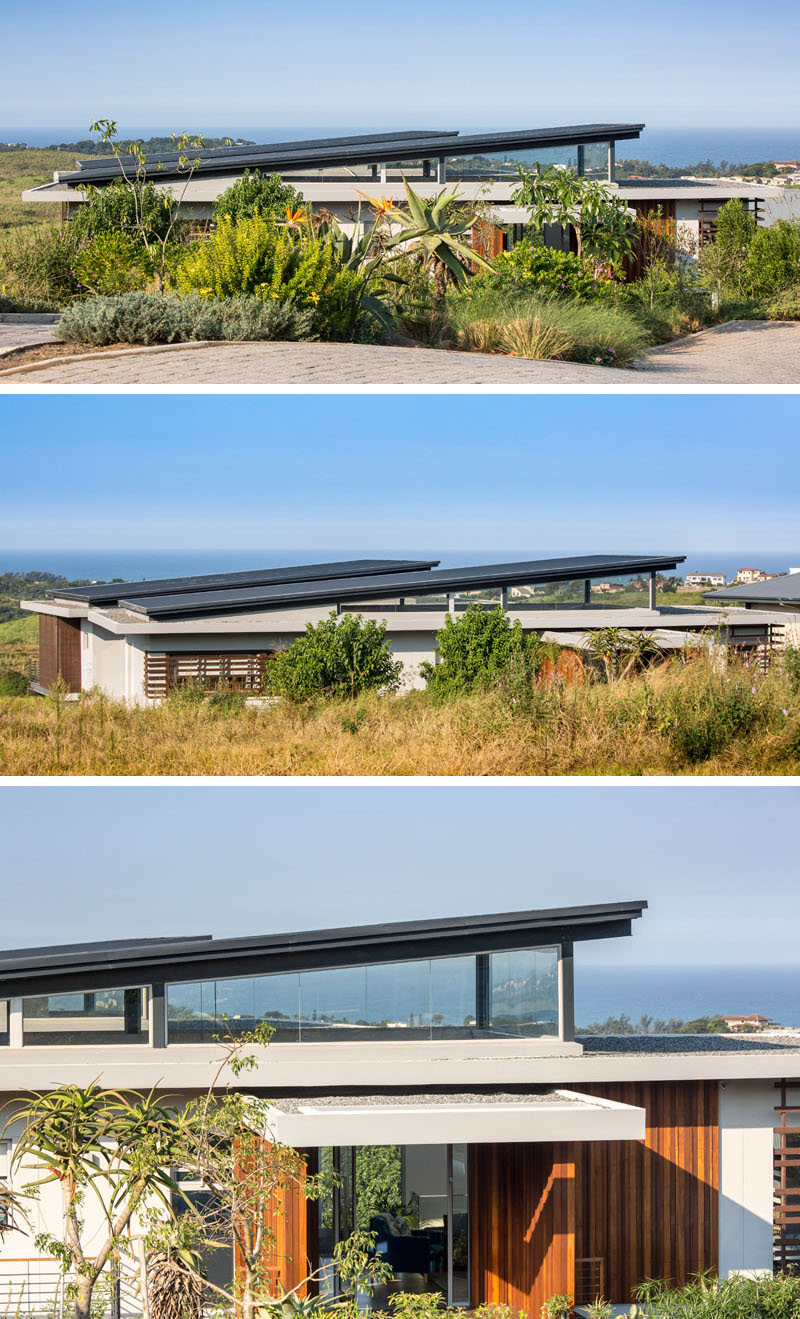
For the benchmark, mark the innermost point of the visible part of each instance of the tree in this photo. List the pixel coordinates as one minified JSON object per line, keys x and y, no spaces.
{"x":132,"y":160}
{"x":724,"y":260}
{"x":338,"y":657}
{"x":102,"y":1144}
{"x":604,"y":227}
{"x":482,"y":650}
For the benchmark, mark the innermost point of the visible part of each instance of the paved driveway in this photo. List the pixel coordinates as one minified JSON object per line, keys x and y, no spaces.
{"x":744,"y":353}
{"x":19,"y":334}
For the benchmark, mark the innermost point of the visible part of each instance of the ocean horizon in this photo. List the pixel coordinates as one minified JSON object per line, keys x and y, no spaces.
{"x":686,"y":992}
{"x":660,"y":145}
{"x":136,"y":565}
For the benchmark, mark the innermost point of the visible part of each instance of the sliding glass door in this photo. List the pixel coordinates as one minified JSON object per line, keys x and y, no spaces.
{"x":415,"y":1201}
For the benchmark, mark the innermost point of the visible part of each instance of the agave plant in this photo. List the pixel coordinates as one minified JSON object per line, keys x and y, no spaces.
{"x":432,"y":227}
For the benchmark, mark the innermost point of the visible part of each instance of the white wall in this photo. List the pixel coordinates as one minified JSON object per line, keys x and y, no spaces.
{"x":746,"y":1119}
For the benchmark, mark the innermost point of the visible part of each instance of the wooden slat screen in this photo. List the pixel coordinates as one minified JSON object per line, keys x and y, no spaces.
{"x":59,"y":651}
{"x":786,"y":1199}
{"x":522,"y":1223}
{"x":649,"y":1209}
{"x":240,"y":670}
{"x":289,"y":1254}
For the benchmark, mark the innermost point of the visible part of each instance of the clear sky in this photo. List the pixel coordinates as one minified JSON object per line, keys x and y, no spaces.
{"x":230,"y":860}
{"x":261,"y":62}
{"x":585,"y":473}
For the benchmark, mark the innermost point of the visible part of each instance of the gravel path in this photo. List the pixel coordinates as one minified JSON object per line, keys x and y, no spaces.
{"x":742,"y":352}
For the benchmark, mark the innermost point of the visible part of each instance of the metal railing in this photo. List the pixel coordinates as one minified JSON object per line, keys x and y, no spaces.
{"x":37,"y":1289}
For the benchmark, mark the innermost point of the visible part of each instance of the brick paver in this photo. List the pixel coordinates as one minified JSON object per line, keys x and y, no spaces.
{"x":16,"y":334}
{"x":746,"y":352}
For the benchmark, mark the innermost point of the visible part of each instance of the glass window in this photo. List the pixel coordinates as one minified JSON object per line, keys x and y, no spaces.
{"x":333,"y":1002}
{"x":185,"y":1021}
{"x":104,"y":1016}
{"x":453,"y":997}
{"x":621,"y":592}
{"x":459,"y":1231}
{"x":399,"y":998}
{"x":4,"y":1034}
{"x":277,"y":1002}
{"x":523,"y":992}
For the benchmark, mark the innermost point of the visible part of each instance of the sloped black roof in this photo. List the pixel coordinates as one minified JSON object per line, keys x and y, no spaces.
{"x":110,"y":965}
{"x":388,"y":586}
{"x":367,"y":149}
{"x":106,"y":593}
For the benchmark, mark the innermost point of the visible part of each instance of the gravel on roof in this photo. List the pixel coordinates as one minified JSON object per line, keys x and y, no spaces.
{"x":293,"y":1103}
{"x":688,"y":1044}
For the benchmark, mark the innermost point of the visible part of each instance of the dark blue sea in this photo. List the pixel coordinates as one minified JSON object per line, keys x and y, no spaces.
{"x":686,"y":992}
{"x":666,"y":146}
{"x":133,"y":565}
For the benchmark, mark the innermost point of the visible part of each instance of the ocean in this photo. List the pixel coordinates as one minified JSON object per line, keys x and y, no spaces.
{"x":134,"y":565}
{"x":686,"y":992}
{"x":660,"y":145}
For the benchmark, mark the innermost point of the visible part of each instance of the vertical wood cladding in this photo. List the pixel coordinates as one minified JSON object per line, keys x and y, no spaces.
{"x":59,"y":651}
{"x":522,"y":1223}
{"x":649,"y":1209}
{"x":642,"y":1209}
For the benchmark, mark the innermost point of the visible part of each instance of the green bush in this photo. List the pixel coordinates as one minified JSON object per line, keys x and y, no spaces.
{"x":264,"y":194}
{"x":13,"y":683}
{"x":707,"y":1297}
{"x":480,"y":651}
{"x":773,"y":259}
{"x":536,"y":269}
{"x":786,"y":306}
{"x":701,"y":729}
{"x":113,"y":263}
{"x":37,"y":267}
{"x":123,"y":208}
{"x":277,"y":263}
{"x":339,"y":657}
{"x":149,"y":318}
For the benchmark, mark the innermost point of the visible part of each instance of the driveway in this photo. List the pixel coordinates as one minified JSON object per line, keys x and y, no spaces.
{"x":24,"y":334}
{"x":742,"y":352}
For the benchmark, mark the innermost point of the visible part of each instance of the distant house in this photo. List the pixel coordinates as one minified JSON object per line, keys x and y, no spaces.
{"x":777,"y":592}
{"x":705,"y":579}
{"x":752,"y":575}
{"x":753,"y":1022}
{"x":786,"y":166}
{"x":138,"y":641}
{"x":336,"y":174}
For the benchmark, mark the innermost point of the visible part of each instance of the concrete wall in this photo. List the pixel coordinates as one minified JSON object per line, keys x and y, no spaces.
{"x":746,"y":1119}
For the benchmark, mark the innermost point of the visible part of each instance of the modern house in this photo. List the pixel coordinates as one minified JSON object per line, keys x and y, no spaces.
{"x":138,"y":641}
{"x":778,"y":594}
{"x":528,"y":1159}
{"x":335,"y":174}
{"x":705,"y":579}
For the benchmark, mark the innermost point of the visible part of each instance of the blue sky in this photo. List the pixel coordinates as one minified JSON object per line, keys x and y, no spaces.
{"x":263,"y":62}
{"x":243,"y":859}
{"x":586,"y":473}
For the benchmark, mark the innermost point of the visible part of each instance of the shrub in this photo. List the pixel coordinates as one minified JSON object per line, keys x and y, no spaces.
{"x":773,"y":259}
{"x":539,"y":269}
{"x":113,"y":263}
{"x":13,"y":683}
{"x":482,"y":650}
{"x":786,"y":306}
{"x":149,"y":318}
{"x":339,"y":657}
{"x":277,"y":263}
{"x":122,"y":208}
{"x":700,"y":729}
{"x":256,"y":193}
{"x":37,"y":267}
{"x":534,"y":336}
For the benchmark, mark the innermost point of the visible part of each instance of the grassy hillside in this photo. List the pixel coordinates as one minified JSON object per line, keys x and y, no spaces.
{"x":27,"y":169}
{"x":19,"y":642}
{"x":679,"y":719}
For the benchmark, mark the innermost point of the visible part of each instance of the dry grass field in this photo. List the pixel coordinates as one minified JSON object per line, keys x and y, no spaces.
{"x":682,"y":719}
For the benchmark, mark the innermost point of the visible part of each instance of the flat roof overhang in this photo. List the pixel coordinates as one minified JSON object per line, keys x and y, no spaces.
{"x":437,"y":1119}
{"x":439,"y":581}
{"x":390,"y":147}
{"x":86,"y":967}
